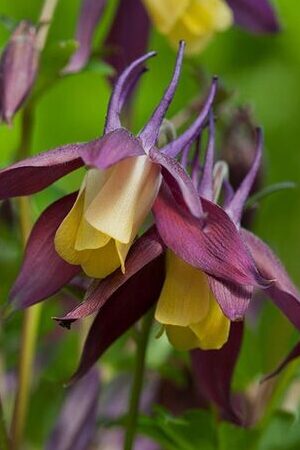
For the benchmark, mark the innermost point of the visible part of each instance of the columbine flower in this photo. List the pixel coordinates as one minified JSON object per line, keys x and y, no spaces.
{"x":18,"y":68}
{"x":94,"y":229}
{"x":196,"y":21}
{"x":220,"y":268}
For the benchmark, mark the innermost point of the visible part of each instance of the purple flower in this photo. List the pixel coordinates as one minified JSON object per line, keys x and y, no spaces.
{"x":18,"y":69}
{"x":124,"y":178}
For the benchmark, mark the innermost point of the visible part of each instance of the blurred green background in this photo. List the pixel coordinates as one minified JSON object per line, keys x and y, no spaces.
{"x":263,"y":72}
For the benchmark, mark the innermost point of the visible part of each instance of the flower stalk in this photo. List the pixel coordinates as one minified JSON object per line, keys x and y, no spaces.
{"x":138,"y":378}
{"x":4,"y":441}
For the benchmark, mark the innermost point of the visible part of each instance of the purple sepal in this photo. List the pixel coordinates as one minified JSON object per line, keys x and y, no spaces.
{"x":116,"y":101}
{"x":206,"y":181}
{"x":186,"y":138}
{"x":128,"y":303}
{"x":233,"y":298}
{"x":236,"y":206}
{"x":77,"y":422}
{"x":213,"y":372}
{"x":182,"y":179}
{"x":294,"y":353}
{"x":112,"y":148}
{"x":257,"y":16}
{"x":34,"y":174}
{"x":144,"y":250}
{"x":18,"y":69}
{"x":212,"y":245}
{"x":282,"y":290}
{"x":43,"y":272}
{"x":90,"y":15}
{"x":127,"y":39}
{"x":149,"y":133}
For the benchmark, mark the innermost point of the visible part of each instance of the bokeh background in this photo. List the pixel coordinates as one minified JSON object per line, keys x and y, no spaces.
{"x":262,"y":72}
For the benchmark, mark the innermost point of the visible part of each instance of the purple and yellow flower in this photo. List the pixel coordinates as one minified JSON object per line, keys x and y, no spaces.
{"x":176,"y":266}
{"x":93,"y":229}
{"x":194,"y":21}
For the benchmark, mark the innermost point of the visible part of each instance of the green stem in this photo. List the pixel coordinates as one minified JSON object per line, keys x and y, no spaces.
{"x":4,"y":441}
{"x":137,"y":382}
{"x":32,"y":315}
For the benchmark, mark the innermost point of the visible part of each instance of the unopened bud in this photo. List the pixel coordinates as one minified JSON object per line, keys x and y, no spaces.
{"x":18,"y":69}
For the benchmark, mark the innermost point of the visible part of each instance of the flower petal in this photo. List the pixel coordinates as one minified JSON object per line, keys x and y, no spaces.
{"x":129,"y":303}
{"x":294,"y":353}
{"x":43,"y":272}
{"x":206,"y":181}
{"x":116,"y":100}
{"x":181,"y":338}
{"x":143,"y":251}
{"x":127,"y":38}
{"x":213,"y":371}
{"x":236,"y":206}
{"x":257,"y":16}
{"x":182,"y":179}
{"x":149,"y":133}
{"x":233,"y":298}
{"x":282,"y":290}
{"x":76,"y":427}
{"x":216,"y":248}
{"x":33,"y":174}
{"x":212,"y":332}
{"x":188,"y":136}
{"x":112,"y":148}
{"x":185,"y":295}
{"x":90,"y":14}
{"x":126,"y":198}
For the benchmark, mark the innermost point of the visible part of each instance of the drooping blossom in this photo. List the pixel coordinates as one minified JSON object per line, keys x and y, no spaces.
{"x":194,"y":21}
{"x":18,"y":69}
{"x":190,"y":240}
{"x":94,"y":228}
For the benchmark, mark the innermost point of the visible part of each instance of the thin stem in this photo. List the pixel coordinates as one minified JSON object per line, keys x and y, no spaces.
{"x":137,"y":382}
{"x":32,"y":315}
{"x":45,"y":22}
{"x":4,"y":441}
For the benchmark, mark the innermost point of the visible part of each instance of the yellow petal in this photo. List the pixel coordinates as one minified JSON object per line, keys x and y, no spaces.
{"x":182,"y":338}
{"x":213,"y":331}
{"x":65,"y":236}
{"x":101,"y":262}
{"x":164,"y":13}
{"x":88,"y":237}
{"x":185,"y":295}
{"x":122,"y":250}
{"x":130,"y":189}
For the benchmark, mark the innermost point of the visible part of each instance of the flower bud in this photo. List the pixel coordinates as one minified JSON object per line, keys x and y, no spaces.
{"x":18,"y":68}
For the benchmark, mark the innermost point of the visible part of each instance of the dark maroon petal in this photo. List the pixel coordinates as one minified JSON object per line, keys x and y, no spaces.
{"x":33,"y":174}
{"x":186,"y":138}
{"x":77,"y":422}
{"x":90,"y":14}
{"x":112,"y":148}
{"x":257,"y":16}
{"x":213,"y":372}
{"x":43,"y":272}
{"x":113,"y":121}
{"x":236,"y":206}
{"x":150,"y":132}
{"x":144,"y":250}
{"x":18,"y":69}
{"x":216,"y":248}
{"x":282,"y":290}
{"x":294,"y":353}
{"x":128,"y":37}
{"x":126,"y":306}
{"x":206,"y":182}
{"x":182,"y":179}
{"x":233,"y":298}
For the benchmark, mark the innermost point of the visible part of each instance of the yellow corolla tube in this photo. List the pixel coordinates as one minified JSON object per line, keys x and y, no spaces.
{"x":188,"y":310}
{"x":109,"y":210}
{"x":194,"y":21}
